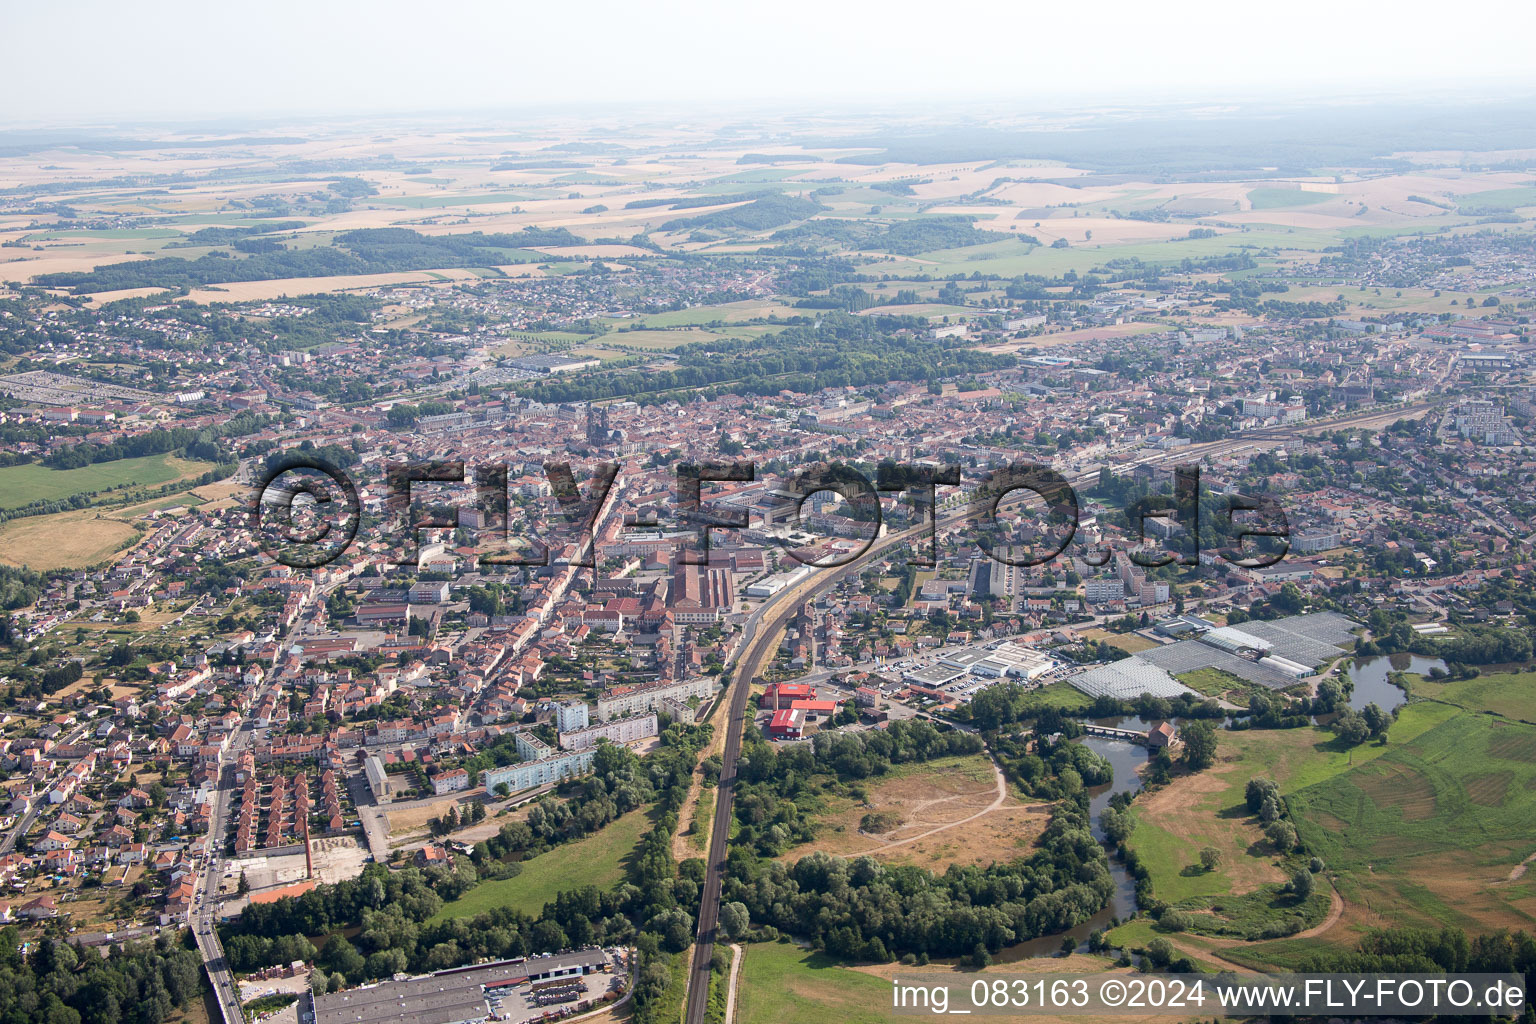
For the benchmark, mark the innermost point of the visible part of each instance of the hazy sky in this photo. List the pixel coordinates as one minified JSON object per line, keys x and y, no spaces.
{"x":107,"y":59}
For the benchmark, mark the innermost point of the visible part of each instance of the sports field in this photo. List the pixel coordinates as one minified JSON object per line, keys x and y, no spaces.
{"x":22,"y":485}
{"x":596,"y":860}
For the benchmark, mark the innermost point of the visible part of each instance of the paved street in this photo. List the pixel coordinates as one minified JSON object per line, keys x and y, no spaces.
{"x":205,"y":898}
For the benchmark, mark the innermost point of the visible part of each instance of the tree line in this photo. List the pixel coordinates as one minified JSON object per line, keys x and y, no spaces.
{"x":863,"y":909}
{"x":61,"y":983}
{"x":844,"y":351}
{"x":362,"y":251}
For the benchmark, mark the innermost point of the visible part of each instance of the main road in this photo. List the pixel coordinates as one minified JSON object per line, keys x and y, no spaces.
{"x":205,"y":893}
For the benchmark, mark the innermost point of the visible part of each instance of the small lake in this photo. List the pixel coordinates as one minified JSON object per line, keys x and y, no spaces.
{"x":1372,"y":682}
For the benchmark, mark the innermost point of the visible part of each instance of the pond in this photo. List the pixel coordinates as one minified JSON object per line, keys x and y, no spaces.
{"x":1373,"y":684}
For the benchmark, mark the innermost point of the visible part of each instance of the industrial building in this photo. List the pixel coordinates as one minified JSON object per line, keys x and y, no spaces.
{"x":455,"y":996}
{"x":1273,"y":653}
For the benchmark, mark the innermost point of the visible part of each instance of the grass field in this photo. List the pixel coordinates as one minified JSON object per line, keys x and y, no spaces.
{"x":22,"y":485}
{"x":1213,"y":682}
{"x":669,"y":1010}
{"x":1511,"y":694}
{"x":1009,"y":258}
{"x":1504,"y":199}
{"x":83,"y":537}
{"x":1285,"y":198}
{"x":781,"y":982}
{"x":1433,"y":829}
{"x":1131,"y":643}
{"x":596,"y":860}
{"x":728,"y":312}
{"x":1176,"y":822}
{"x":703,"y":818}
{"x":1136,"y":933}
{"x":524,"y":342}
{"x":64,"y":540}
{"x":931,"y":809}
{"x":1064,"y":696}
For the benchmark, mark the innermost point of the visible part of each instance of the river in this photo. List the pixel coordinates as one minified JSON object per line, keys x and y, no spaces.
{"x":1370,"y":676}
{"x":1127,"y":759}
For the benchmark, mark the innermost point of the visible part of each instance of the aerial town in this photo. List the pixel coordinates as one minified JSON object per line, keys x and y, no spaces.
{"x":577,"y":596}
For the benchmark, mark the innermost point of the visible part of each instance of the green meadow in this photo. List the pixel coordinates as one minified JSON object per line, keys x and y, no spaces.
{"x":598,"y":859}
{"x":1432,"y":829}
{"x":22,"y":485}
{"x":781,"y":982}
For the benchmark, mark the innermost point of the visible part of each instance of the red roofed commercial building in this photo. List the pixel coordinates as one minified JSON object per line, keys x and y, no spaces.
{"x":780,"y":696}
{"x":815,"y":709}
{"x":787,"y":725}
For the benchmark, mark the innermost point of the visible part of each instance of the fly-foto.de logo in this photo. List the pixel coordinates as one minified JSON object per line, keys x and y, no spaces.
{"x":307,"y":513}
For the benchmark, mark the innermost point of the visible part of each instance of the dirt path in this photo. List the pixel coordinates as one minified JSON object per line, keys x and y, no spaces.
{"x":1335,"y":911}
{"x":681,"y":851}
{"x":685,"y":819}
{"x":997,"y":802}
{"x":1195,"y":952}
{"x":1518,"y":871}
{"x":730,"y":992}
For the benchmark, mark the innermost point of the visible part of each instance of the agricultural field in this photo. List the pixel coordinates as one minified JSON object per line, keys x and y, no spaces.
{"x":1436,"y":829}
{"x":596,"y":860}
{"x":1285,"y":198}
{"x":22,"y":485}
{"x":1499,"y":199}
{"x":84,"y":537}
